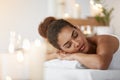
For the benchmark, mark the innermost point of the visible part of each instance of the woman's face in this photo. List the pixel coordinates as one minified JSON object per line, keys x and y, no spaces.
{"x":72,"y":40}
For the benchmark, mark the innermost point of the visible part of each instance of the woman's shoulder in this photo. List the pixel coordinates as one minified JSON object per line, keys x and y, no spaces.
{"x":105,"y":43}
{"x":102,"y":37}
{"x":108,"y":42}
{"x":99,"y":39}
{"x":105,"y":38}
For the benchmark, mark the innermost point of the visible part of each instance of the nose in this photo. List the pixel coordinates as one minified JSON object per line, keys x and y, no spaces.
{"x":76,"y":44}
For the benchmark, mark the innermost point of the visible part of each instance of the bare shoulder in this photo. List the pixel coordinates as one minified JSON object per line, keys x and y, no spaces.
{"x":107,"y":39}
{"x":106,"y":44}
{"x":100,"y":38}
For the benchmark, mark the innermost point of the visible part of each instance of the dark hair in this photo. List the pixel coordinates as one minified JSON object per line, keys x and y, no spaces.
{"x":50,"y":29}
{"x":43,"y":27}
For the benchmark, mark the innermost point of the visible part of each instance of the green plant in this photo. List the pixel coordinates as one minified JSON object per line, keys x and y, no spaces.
{"x":106,"y":18}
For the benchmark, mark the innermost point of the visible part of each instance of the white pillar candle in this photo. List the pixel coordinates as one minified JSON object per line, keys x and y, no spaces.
{"x":23,"y":66}
{"x":12,"y":43}
{"x":11,"y":68}
{"x":76,"y":12}
{"x":37,"y":54}
{"x":60,"y":8}
{"x":26,"y":44}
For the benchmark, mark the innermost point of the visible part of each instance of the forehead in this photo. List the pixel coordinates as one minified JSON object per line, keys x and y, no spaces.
{"x":64,"y":35}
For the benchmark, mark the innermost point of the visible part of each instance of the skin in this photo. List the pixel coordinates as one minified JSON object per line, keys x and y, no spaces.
{"x":52,"y":53}
{"x":72,"y":40}
{"x":94,"y":52}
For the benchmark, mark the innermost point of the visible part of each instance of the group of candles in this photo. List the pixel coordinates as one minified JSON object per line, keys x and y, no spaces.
{"x":96,"y":9}
{"x":76,"y":12}
{"x":25,"y":62}
{"x":88,"y":30}
{"x":68,"y":9}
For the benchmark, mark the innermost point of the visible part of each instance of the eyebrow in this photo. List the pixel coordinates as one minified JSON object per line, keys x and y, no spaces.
{"x":68,"y":41}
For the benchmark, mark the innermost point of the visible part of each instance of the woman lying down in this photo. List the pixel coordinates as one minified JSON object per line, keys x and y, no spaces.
{"x":94,"y":52}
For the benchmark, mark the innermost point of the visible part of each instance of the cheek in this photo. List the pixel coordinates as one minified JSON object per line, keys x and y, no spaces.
{"x":81,"y":38}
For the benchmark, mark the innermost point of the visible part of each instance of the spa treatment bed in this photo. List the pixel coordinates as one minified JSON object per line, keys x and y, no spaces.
{"x":70,"y":70}
{"x":80,"y":74}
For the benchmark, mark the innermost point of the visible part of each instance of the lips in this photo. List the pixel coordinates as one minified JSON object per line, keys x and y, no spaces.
{"x":82,"y":47}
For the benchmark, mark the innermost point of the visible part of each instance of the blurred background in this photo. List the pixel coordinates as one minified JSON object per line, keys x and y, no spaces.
{"x":21,"y":18}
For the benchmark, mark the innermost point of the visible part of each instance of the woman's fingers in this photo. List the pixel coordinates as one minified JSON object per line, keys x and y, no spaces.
{"x":63,"y":55}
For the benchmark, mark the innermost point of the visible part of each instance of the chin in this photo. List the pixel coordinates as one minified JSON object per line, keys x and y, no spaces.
{"x":86,"y":50}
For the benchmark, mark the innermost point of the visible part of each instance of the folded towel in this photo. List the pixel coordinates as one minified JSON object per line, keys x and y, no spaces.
{"x":57,"y":63}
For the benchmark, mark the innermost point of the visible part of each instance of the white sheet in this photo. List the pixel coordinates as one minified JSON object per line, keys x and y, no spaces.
{"x":80,"y":74}
{"x":71,"y":70}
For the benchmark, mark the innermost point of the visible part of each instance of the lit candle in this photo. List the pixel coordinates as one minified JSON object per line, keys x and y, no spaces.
{"x":37,"y":53}
{"x":8,"y":78}
{"x":76,"y":12}
{"x":12,"y":44}
{"x":13,"y":67}
{"x":11,"y":48}
{"x":60,"y":8}
{"x":89,"y":30}
{"x":66,"y":15}
{"x":96,"y":9}
{"x":20,"y":56}
{"x":26,"y":44}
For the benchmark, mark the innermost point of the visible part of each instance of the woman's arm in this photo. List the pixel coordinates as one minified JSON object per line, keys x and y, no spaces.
{"x":51,"y":52}
{"x":51,"y":56}
{"x":106,"y":47}
{"x":93,"y":61}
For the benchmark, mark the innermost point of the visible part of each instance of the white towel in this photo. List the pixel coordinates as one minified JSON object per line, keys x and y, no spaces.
{"x":57,"y":63}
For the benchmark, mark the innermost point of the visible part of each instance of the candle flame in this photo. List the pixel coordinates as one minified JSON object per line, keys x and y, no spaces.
{"x":11,"y":48}
{"x":77,"y":5}
{"x":8,"y":78}
{"x":37,"y":43}
{"x":26,"y":44}
{"x":20,"y":56}
{"x":66,"y":15}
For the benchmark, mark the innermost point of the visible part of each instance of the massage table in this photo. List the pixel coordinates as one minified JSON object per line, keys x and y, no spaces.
{"x":80,"y":74}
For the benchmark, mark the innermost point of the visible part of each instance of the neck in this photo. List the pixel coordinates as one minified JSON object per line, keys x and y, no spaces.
{"x":92,"y":47}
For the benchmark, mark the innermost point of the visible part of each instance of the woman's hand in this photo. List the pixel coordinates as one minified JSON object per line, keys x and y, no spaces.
{"x":66,"y":56}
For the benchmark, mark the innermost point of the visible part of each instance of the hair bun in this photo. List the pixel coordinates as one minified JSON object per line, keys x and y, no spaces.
{"x":43,"y":27}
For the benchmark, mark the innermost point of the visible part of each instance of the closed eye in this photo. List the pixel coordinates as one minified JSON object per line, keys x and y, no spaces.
{"x":68,"y":45}
{"x":75,"y":34}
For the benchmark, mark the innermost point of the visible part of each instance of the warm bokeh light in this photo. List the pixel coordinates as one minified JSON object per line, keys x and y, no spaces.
{"x":20,"y":56}
{"x":26,"y":44}
{"x":37,"y":43}
{"x":8,"y":78}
